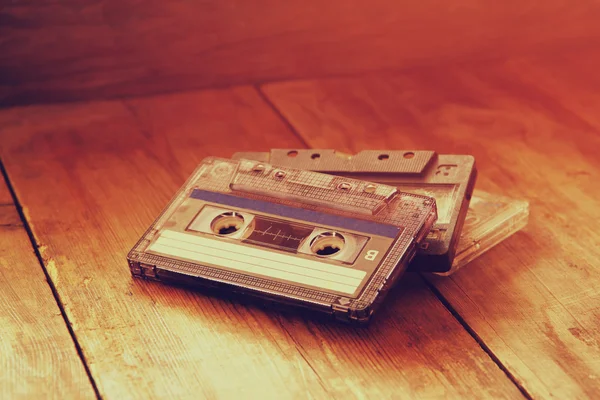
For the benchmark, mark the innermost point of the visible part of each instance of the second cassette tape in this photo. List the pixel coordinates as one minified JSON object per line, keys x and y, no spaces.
{"x":449,"y":178}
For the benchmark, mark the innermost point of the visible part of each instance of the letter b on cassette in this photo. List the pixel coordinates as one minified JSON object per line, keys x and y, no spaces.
{"x":371,"y":255}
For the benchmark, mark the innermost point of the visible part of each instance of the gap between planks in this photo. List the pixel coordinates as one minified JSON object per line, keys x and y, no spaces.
{"x":38,"y":254}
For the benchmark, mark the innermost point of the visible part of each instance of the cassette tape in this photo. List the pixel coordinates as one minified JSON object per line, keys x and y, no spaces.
{"x":450,"y":179}
{"x":491,"y":219}
{"x":327,"y":243}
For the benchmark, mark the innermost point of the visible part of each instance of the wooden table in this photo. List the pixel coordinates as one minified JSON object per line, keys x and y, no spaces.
{"x":88,"y":178}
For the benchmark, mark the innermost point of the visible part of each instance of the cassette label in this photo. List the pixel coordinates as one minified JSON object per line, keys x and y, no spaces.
{"x":328,"y":243}
{"x":258,"y":262}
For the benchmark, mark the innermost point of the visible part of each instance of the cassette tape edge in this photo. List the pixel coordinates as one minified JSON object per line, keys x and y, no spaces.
{"x":444,"y":263}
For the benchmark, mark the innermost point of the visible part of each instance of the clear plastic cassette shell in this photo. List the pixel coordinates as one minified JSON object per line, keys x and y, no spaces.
{"x":327,"y":243}
{"x":490,"y":219}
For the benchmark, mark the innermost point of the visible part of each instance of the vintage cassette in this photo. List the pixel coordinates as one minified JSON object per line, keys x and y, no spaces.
{"x":490,"y":220}
{"x":300,"y":238}
{"x":450,"y":179}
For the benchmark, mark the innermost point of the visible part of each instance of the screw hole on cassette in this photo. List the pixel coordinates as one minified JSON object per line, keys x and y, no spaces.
{"x":315,"y":156}
{"x":370,"y":188}
{"x":258,"y":168}
{"x":227,"y":223}
{"x":292,"y":153}
{"x":383,"y":157}
{"x":345,"y":186}
{"x":279,"y":174}
{"x":409,"y":155}
{"x":327,"y":244}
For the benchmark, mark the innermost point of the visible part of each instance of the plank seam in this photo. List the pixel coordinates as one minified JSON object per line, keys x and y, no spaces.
{"x":476,"y":337}
{"x":280,"y":115}
{"x":300,"y":351}
{"x":40,"y":259}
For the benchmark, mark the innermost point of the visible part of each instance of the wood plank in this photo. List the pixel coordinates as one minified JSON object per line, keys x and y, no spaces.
{"x":93,"y":177}
{"x":39,"y":358}
{"x":533,"y":126}
{"x":83,"y":49}
{"x":6,"y":198}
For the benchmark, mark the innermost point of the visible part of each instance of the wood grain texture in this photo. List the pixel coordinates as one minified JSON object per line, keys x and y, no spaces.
{"x":83,"y":49}
{"x":6,"y":199}
{"x":94,"y":176}
{"x":533,"y":126}
{"x":38,"y":358}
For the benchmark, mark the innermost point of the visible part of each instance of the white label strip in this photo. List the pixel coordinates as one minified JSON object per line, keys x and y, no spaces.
{"x":257,"y":261}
